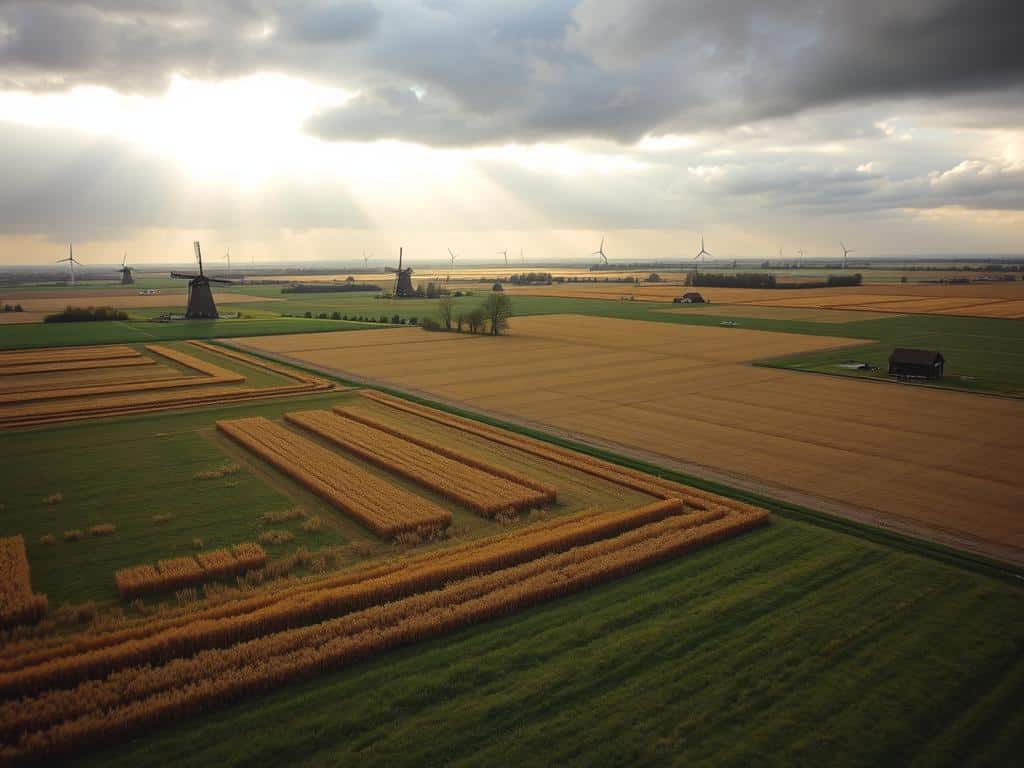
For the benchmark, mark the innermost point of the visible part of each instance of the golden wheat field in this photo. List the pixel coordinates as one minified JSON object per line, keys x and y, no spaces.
{"x":942,"y":460}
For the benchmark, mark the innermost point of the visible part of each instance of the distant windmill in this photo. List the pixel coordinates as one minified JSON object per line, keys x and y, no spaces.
{"x":505,"y":254}
{"x":403,"y":279}
{"x":126,"y":271}
{"x":846,"y":252}
{"x":702,"y":252}
{"x":800,"y":253}
{"x":227,"y":255}
{"x":71,"y":260}
{"x":200,"y":298}
{"x":780,"y":253}
{"x":366,"y":260}
{"x":600,"y":252}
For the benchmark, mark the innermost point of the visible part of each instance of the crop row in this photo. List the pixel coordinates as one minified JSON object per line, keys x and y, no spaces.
{"x":53,"y":354}
{"x":326,"y":600}
{"x":17,"y":603}
{"x":383,"y":507}
{"x":479,"y":490}
{"x":31,"y":654}
{"x":291,"y":373}
{"x":188,"y":571}
{"x":106,"y":710}
{"x":433,"y":445}
{"x":639,"y":481}
{"x":49,"y":413}
{"x":102,"y":363}
{"x":183,"y":358}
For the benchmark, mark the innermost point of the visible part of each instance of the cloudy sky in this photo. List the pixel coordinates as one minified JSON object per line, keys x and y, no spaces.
{"x":322,"y":128}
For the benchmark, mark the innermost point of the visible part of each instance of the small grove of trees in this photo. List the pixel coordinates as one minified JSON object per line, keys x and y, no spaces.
{"x":490,"y":317}
{"x":86,"y":314}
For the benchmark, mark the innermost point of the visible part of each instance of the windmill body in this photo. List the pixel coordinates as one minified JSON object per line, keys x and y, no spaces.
{"x":403,"y":279}
{"x":201,"y":305}
{"x":126,"y":272}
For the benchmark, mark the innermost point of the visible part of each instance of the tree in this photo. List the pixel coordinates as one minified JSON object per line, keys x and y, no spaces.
{"x":477,"y":319}
{"x":498,"y":309}
{"x":654,"y":277}
{"x":445,"y":308}
{"x":497,"y":286}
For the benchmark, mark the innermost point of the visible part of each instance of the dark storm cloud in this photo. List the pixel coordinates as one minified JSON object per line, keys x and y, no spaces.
{"x":529,"y":71}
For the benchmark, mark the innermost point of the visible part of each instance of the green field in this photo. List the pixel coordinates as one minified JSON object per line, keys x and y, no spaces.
{"x":792,"y":645}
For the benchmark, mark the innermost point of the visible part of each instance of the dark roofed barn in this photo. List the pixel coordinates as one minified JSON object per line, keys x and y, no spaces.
{"x":916,"y":363}
{"x":689,"y":298}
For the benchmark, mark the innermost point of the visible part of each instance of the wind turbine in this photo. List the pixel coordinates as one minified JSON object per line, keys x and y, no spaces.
{"x":846,"y":252}
{"x":505,"y":254}
{"x":702,"y":252}
{"x":71,"y":263}
{"x":451,"y":254}
{"x":800,"y":253}
{"x":600,"y":252}
{"x":227,"y":255}
{"x":366,"y":260}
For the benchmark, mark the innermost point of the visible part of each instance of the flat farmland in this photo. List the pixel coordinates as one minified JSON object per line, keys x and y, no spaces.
{"x":978,"y":300}
{"x":930,"y":461}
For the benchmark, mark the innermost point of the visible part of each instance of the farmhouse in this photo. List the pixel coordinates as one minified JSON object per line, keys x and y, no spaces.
{"x":692,"y":297}
{"x":919,"y":363}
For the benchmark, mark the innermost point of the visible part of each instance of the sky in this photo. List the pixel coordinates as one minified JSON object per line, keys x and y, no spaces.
{"x":326,"y":129}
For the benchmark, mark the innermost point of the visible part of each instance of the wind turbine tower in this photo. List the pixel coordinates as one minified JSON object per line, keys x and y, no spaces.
{"x":702,"y":252}
{"x":71,"y":260}
{"x":846,"y":252}
{"x":505,"y":254}
{"x":600,"y":252}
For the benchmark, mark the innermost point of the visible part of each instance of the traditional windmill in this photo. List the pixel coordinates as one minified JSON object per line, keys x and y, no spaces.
{"x":200,"y":297}
{"x":403,"y":279}
{"x":126,"y":271}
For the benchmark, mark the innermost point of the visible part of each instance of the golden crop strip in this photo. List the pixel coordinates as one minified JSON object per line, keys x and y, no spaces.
{"x":629,"y":478}
{"x":188,"y":571}
{"x":479,"y":490}
{"x":54,"y":354}
{"x":325,"y":600}
{"x":17,"y":603}
{"x":384,"y":508}
{"x":259,"y":362}
{"x":74,"y":365}
{"x":99,"y":711}
{"x":433,"y":445}
{"x":30,"y":654}
{"x":195,"y":363}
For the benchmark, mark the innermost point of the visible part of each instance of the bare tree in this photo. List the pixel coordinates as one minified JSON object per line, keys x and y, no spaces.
{"x":445,"y":308}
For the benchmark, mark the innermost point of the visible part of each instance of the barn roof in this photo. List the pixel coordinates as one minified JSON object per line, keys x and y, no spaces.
{"x":915,"y":356}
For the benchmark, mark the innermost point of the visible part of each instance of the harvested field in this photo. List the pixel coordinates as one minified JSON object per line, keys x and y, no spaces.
{"x":481,"y":491}
{"x":72,"y":700}
{"x":782,"y":312}
{"x":924,"y":459}
{"x":384,"y":508}
{"x":17,"y":602}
